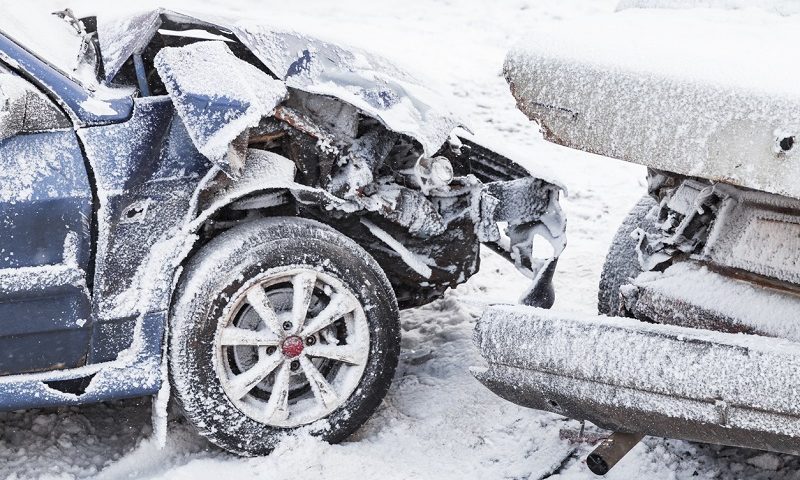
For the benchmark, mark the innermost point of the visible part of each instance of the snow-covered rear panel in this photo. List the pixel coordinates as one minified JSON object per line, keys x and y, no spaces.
{"x":701,"y":92}
{"x":218,"y":97}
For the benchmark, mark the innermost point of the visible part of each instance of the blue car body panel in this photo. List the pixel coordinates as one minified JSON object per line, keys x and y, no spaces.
{"x":48,"y":228}
{"x":105,"y":381}
{"x":147,"y":170}
{"x":45,"y":242}
{"x":92,"y":246}
{"x":80,"y":238}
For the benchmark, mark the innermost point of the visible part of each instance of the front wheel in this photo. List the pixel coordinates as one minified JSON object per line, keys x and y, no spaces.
{"x":280,"y":324}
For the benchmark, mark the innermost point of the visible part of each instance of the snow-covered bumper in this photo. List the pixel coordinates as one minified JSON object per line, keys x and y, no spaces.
{"x":629,"y":376}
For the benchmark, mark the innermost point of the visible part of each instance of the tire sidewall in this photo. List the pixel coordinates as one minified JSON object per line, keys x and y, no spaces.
{"x":192,"y":354}
{"x":622,"y":261}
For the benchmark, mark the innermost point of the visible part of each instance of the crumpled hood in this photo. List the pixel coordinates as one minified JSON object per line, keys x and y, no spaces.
{"x":368,"y":82}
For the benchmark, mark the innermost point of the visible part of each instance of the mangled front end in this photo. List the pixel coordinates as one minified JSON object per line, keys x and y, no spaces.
{"x":372,"y":152}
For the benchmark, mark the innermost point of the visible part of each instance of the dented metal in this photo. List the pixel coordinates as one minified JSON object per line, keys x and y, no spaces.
{"x":368,"y":82}
{"x":707,"y":281}
{"x":192,"y":133}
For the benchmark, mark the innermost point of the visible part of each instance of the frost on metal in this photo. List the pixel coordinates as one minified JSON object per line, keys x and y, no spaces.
{"x":711,"y":252}
{"x":366,"y":138}
{"x":368,"y":82}
{"x":372,"y":84}
{"x":623,"y":374}
{"x":218,"y":97}
{"x":23,"y":107}
{"x":235,"y":122}
{"x":710,"y":106}
{"x":717,"y":302}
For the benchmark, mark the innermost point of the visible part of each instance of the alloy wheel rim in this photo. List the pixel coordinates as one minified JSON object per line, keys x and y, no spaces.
{"x":291,"y":347}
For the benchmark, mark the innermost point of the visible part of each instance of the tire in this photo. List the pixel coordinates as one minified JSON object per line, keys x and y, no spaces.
{"x":217,"y":327}
{"x":622,"y":263}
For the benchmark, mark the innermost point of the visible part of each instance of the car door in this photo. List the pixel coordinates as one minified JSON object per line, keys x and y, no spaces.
{"x":45,"y":234}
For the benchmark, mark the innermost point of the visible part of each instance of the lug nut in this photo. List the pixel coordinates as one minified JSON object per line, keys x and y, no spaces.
{"x":287,"y":325}
{"x":294,"y":365}
{"x":311,"y":341}
{"x":271,"y":350}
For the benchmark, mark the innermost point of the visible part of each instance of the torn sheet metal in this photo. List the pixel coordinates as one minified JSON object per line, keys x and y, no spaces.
{"x":366,"y":81}
{"x":529,"y":206}
{"x":367,"y":140}
{"x":724,"y":225}
{"x":370,"y":83}
{"x":218,"y":97}
{"x":121,"y":36}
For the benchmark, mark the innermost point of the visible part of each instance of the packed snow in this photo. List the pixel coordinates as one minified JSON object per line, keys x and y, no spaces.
{"x":437,"y":420}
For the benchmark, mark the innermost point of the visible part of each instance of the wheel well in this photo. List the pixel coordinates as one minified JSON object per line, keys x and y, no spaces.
{"x":410,"y":288}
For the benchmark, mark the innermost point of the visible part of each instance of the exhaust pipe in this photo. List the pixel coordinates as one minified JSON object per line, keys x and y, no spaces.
{"x":611,"y":450}
{"x":624,"y":375}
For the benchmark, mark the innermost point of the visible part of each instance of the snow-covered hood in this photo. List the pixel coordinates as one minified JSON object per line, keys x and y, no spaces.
{"x":366,"y":81}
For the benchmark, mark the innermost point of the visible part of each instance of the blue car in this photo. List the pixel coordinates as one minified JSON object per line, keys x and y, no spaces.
{"x":235,"y":210}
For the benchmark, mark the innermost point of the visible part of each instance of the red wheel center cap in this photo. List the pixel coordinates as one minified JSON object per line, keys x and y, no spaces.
{"x":292,"y":346}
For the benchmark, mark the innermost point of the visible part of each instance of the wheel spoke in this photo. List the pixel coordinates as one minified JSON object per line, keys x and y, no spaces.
{"x":323,"y":390}
{"x":352,"y":354}
{"x":234,"y":336}
{"x":244,"y":382}
{"x":260,"y":303}
{"x":303,"y":289}
{"x":339,"y":306}
{"x":277,"y":409}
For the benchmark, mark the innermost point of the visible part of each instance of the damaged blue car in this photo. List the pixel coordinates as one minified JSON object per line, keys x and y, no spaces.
{"x":238,"y":211}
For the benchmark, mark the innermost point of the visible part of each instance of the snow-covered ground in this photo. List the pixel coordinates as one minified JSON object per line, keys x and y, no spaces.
{"x":437,"y":421}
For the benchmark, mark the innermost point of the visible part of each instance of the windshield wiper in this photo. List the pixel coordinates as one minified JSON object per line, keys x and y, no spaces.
{"x":89,"y":53}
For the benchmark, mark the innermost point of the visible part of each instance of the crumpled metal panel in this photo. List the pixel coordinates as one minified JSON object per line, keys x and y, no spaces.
{"x":368,"y":82}
{"x":218,"y":96}
{"x":121,"y":37}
